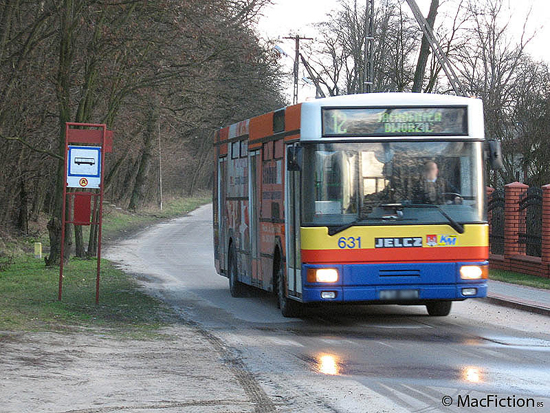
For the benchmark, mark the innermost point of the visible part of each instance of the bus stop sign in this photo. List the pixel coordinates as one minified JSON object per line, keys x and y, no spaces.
{"x":85,"y":148}
{"x":84,"y":167}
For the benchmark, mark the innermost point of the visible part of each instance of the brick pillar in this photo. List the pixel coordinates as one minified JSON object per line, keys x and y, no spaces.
{"x":512,"y":217}
{"x":490,"y":213}
{"x":545,"y":267}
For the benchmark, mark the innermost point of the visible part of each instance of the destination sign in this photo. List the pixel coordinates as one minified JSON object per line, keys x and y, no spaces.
{"x":411,"y":121}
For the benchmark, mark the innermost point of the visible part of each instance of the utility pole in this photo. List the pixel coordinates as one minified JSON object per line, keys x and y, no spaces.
{"x":160,"y":172}
{"x":297,"y":39}
{"x":368,"y":66}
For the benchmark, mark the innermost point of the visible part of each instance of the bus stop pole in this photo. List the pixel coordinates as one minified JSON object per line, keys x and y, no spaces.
{"x":63,"y":213}
{"x":101,"y":188}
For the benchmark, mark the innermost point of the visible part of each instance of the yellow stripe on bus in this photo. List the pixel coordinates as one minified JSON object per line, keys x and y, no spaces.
{"x":317,"y":238}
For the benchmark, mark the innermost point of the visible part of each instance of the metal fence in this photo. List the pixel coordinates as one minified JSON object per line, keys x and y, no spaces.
{"x":496,"y":222}
{"x":530,"y":230}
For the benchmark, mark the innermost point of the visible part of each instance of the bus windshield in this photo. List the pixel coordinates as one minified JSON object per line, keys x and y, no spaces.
{"x":382,"y":183}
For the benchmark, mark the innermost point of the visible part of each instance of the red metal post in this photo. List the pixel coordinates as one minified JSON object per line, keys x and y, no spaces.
{"x":62,"y":249}
{"x":101,"y":187}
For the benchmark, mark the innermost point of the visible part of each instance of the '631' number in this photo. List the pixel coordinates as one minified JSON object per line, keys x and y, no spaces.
{"x":349,"y":242}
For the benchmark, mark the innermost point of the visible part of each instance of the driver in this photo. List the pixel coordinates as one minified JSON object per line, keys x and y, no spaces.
{"x":431,"y":189}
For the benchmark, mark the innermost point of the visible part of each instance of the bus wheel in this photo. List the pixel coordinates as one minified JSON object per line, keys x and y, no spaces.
{"x":439,"y":308}
{"x":289,"y":307}
{"x":236,"y":288}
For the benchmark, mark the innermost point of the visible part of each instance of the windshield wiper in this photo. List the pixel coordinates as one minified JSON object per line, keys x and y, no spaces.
{"x":336,"y":230}
{"x":457,"y":226}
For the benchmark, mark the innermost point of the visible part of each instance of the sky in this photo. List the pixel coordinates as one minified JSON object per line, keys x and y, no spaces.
{"x":286,"y":17}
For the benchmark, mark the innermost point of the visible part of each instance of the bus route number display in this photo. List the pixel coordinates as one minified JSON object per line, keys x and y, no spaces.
{"x":411,"y":121}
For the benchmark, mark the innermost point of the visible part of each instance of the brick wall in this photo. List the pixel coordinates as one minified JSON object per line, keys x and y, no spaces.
{"x":514,"y":258}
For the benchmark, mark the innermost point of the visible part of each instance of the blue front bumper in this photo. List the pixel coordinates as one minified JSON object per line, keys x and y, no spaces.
{"x":364,"y":282}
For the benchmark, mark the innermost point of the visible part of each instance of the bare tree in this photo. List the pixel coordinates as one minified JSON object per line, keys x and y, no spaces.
{"x":489,"y":63}
{"x":424,"y":50}
{"x":339,"y":59}
{"x":199,"y":62}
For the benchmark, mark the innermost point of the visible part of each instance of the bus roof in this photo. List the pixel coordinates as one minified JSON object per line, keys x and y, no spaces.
{"x":390,"y":99}
{"x":311,"y":122}
{"x":305,"y":118}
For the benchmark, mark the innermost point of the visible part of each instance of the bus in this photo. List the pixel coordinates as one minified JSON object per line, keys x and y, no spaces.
{"x":371,"y":198}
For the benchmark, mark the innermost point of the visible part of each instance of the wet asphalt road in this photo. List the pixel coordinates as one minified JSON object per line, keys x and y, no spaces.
{"x":350,"y":358}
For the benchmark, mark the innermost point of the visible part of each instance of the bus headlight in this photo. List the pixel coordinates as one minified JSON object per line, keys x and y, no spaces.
{"x":322,"y":275}
{"x":469,"y":292}
{"x":474,"y":272}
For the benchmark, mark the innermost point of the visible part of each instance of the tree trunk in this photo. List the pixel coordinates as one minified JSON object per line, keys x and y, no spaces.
{"x":23,"y":216}
{"x":138,"y":193}
{"x":83,"y":115}
{"x":424,"y":50}
{"x":94,"y":231}
{"x":204,"y":155}
{"x":66,"y":53}
{"x":80,"y":251}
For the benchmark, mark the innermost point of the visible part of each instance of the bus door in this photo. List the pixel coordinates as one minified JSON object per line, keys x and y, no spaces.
{"x":293,"y":193}
{"x":254,"y":216}
{"x":222,"y":219}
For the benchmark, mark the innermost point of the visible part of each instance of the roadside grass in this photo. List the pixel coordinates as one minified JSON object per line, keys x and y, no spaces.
{"x":28,"y":289}
{"x":118,"y":222}
{"x":518,"y":278}
{"x":28,"y":299}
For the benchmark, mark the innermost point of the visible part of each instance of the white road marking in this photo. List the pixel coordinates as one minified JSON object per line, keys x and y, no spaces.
{"x":284,"y":342}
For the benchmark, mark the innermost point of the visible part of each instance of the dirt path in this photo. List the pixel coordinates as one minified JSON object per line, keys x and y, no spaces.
{"x":184,"y":369}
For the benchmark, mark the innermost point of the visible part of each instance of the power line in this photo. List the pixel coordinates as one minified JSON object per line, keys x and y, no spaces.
{"x":436,"y":48}
{"x":314,"y":78}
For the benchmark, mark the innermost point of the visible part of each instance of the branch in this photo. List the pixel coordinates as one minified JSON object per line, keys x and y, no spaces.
{"x":28,"y":145}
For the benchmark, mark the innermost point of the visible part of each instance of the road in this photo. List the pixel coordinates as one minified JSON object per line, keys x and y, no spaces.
{"x":349,"y":358}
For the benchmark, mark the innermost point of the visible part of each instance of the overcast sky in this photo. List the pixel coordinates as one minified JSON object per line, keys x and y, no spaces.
{"x":286,"y":17}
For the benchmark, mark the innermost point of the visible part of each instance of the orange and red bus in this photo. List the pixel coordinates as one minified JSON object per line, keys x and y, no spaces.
{"x":373,"y":198}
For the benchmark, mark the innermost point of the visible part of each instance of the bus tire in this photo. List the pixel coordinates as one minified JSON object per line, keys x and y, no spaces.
{"x":439,"y":308}
{"x":289,"y":307}
{"x":236,"y":288}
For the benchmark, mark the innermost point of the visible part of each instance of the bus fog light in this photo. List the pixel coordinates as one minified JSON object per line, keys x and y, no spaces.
{"x":322,"y":275}
{"x":468,"y":292}
{"x":328,"y":295}
{"x":474,"y":272}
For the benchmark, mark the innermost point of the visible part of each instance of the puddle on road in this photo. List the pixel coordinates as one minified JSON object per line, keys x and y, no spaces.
{"x":334,"y":365}
{"x":472,"y":374}
{"x":328,"y":364}
{"x":503,"y":378}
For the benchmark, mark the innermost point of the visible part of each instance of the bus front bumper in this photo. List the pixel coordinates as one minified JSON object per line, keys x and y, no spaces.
{"x":405,"y":284}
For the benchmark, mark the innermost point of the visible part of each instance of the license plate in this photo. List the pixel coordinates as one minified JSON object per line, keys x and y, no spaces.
{"x":398,"y":294}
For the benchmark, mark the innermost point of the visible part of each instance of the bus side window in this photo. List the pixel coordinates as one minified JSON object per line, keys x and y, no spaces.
{"x":235,"y":150}
{"x":275,"y":211}
{"x":268,"y":151}
{"x":278,"y":149}
{"x":244,"y":149}
{"x":279,"y":121}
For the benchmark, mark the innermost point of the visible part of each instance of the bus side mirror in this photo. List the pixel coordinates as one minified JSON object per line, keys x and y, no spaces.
{"x":494,"y":150}
{"x":294,"y":158}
